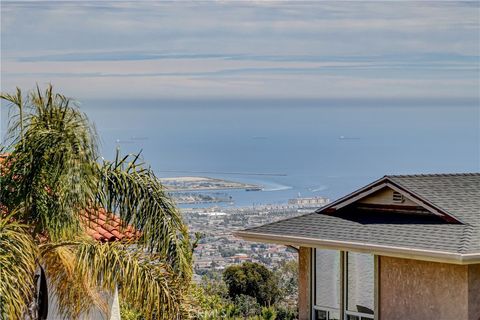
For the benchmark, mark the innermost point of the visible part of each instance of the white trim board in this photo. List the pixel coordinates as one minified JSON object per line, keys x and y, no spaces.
{"x":381,"y":250}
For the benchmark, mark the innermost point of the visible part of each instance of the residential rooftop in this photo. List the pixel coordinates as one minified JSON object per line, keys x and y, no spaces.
{"x":443,"y":222}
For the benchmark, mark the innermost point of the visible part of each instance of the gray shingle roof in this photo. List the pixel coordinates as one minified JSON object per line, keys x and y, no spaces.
{"x":455,"y":194}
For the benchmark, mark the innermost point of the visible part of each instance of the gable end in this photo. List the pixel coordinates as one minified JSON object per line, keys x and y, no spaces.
{"x":386,"y":195}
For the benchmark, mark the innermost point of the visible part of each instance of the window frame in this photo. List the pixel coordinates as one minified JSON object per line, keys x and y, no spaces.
{"x":345,"y":290}
{"x":344,"y":313}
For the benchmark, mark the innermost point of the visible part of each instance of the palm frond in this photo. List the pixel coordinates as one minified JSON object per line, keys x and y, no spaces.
{"x":75,"y":292}
{"x":134,"y":193}
{"x":51,"y":172}
{"x":145,"y":281}
{"x":16,"y":100}
{"x":17,"y":267}
{"x":50,"y":177}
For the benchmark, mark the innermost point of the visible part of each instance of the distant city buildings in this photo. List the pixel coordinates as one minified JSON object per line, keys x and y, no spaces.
{"x":218,"y":248}
{"x":314,"y":202}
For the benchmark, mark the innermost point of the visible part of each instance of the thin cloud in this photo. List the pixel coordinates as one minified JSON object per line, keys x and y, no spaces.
{"x":243,"y":49}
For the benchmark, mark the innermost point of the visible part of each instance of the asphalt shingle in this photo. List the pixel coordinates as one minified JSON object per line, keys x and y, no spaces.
{"x":456,"y":194}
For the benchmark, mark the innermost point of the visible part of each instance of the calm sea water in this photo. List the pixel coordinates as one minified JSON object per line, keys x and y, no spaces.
{"x":310,"y":148}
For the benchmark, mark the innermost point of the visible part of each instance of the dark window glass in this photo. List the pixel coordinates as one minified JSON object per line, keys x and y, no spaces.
{"x":321,"y":315}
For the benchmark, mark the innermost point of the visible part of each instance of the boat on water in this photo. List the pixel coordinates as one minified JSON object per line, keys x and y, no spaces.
{"x":253,"y":189}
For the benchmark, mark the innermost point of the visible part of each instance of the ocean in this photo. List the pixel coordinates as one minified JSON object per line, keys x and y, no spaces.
{"x":292,"y":147}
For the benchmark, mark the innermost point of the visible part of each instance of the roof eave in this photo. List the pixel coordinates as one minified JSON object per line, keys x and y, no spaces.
{"x":383,"y":250}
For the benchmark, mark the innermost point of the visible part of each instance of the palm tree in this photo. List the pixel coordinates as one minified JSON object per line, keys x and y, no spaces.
{"x":52,"y":175}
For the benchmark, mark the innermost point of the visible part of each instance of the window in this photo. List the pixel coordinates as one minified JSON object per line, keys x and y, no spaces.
{"x":326,"y":315}
{"x":356,"y":293}
{"x":360,"y":286}
{"x":327,"y":293}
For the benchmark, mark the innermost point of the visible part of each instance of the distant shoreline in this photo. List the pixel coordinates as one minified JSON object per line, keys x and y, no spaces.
{"x":193,"y":183}
{"x":273,"y":174}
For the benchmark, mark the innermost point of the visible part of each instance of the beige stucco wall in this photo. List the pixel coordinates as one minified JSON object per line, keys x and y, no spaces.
{"x":304,"y":282}
{"x":412,"y":289}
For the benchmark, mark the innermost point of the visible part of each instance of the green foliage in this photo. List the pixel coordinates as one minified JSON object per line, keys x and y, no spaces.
{"x":287,"y":274}
{"x":209,"y":301}
{"x":131,"y":190}
{"x":254,"y":280}
{"x":51,"y":167}
{"x":268,"y":313}
{"x":246,"y":306}
{"x":127,"y":312}
{"x":215,"y":286}
{"x":227,"y":252}
{"x":212,"y":300}
{"x":286,"y":313}
{"x":50,"y":176}
{"x":17,"y":267}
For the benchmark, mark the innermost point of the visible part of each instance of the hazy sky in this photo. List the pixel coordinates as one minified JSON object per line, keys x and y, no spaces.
{"x":232,"y":49}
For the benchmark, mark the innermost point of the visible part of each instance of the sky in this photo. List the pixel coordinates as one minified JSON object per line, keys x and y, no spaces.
{"x":238,"y":49}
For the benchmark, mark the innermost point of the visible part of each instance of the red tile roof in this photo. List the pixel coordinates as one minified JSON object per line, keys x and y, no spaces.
{"x":3,"y":157}
{"x":106,"y":227}
{"x":99,"y":224}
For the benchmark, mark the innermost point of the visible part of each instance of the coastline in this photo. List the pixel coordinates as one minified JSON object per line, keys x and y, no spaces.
{"x":193,"y":183}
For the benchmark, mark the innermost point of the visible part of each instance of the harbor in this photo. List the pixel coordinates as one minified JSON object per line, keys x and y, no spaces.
{"x":218,"y":248}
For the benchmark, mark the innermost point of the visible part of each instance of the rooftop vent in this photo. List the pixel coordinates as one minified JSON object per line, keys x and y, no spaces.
{"x":398,"y":197}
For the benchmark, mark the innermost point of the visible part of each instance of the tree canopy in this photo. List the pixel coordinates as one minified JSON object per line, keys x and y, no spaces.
{"x":52,"y":172}
{"x":254,"y":280}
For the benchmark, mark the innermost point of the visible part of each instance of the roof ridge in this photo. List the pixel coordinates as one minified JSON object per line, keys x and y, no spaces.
{"x":418,"y":175}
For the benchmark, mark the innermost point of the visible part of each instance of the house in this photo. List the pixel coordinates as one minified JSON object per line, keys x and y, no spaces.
{"x":101,"y":226}
{"x":402,"y":247}
{"x":104,"y":227}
